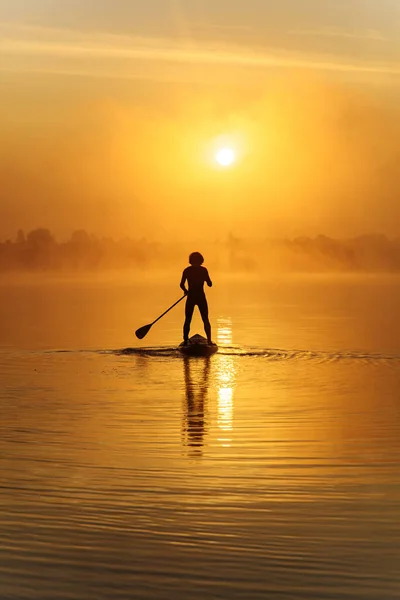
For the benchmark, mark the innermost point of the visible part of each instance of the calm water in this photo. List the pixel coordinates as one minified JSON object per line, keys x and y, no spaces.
{"x":271,"y":470}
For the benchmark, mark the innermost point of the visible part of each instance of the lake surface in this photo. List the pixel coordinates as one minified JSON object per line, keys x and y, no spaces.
{"x":270,"y":470}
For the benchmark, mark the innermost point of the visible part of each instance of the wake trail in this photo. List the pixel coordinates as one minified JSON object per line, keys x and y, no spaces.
{"x":269,"y":354}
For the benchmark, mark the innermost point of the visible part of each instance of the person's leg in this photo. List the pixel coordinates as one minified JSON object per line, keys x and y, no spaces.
{"x":203,"y":308}
{"x":189,"y":308}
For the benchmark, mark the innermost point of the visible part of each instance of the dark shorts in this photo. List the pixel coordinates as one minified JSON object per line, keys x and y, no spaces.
{"x":199,"y":300}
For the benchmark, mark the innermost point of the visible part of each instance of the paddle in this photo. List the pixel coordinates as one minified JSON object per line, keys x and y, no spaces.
{"x":143,"y":331}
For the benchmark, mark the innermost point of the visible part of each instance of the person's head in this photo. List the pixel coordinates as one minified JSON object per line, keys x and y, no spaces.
{"x":196,"y":259}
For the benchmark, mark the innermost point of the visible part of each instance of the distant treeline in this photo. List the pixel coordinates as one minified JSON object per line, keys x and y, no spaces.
{"x":38,"y":250}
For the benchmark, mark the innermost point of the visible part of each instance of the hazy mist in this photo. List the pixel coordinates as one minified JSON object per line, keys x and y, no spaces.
{"x":319,"y":157}
{"x":109,"y":119}
{"x":39,"y":251}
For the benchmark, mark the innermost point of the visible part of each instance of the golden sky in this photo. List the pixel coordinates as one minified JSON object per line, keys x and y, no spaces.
{"x":111,"y":114}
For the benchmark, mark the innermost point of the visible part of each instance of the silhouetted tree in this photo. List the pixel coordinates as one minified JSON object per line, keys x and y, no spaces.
{"x":40,"y":245}
{"x":21,"y":239}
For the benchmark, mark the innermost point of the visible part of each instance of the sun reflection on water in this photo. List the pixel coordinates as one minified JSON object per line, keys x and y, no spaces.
{"x":226,"y":378}
{"x":224,"y":332}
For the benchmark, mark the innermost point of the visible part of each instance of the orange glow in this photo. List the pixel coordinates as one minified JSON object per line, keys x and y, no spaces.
{"x":277,"y":162}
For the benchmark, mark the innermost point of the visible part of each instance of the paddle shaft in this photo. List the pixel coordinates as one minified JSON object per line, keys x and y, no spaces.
{"x":167,"y":311}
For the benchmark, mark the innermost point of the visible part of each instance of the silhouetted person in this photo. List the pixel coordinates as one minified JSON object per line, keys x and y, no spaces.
{"x":196,"y":276}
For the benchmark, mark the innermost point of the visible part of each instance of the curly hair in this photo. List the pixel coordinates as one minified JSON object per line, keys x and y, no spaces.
{"x":196,"y":259}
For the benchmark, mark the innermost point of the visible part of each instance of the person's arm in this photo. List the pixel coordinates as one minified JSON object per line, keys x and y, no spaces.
{"x":208,"y":280}
{"x":183,"y":281}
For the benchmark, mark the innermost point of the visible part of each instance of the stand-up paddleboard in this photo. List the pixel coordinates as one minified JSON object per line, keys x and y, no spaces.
{"x":198,"y":346}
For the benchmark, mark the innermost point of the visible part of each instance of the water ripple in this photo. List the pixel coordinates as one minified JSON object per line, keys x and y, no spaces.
{"x":270,"y":354}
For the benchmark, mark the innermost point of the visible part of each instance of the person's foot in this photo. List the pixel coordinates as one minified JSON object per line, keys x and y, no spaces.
{"x":211,"y":343}
{"x":185,"y":343}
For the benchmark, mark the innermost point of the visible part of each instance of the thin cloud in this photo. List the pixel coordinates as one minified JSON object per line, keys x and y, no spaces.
{"x":37,"y":44}
{"x":365,"y":34}
{"x":220,"y":26}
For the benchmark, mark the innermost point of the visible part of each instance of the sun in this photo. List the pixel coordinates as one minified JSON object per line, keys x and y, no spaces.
{"x":225,"y":157}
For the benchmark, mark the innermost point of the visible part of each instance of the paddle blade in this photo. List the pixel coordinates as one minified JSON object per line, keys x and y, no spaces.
{"x":142,"y":332}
